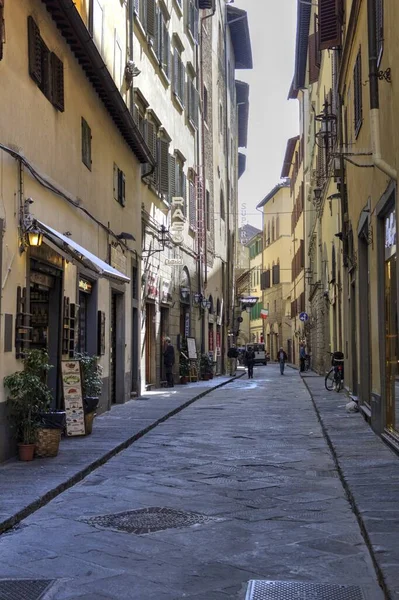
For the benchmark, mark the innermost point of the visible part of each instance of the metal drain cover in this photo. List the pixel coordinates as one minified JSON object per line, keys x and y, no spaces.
{"x":23,"y":589}
{"x":297,"y":590}
{"x":148,"y":520}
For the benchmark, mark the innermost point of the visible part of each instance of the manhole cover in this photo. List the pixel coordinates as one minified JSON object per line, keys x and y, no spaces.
{"x":148,"y":520}
{"x":293,"y":590}
{"x":23,"y":589}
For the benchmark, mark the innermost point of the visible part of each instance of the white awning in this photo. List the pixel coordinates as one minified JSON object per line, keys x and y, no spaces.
{"x":81,"y":254}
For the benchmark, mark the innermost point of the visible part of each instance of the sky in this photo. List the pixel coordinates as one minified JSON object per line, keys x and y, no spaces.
{"x":272,"y":118}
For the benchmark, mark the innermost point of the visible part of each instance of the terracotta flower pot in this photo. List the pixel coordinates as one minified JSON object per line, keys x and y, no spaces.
{"x":26,"y":451}
{"x":183,"y":380}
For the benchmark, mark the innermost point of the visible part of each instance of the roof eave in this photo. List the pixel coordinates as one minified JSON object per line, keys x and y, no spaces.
{"x":237,"y":20}
{"x":301,"y":49}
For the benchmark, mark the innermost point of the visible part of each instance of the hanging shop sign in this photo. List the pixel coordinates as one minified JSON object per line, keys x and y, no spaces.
{"x":85,"y":286}
{"x":166,"y":296}
{"x":42,"y":279}
{"x":177,"y":221}
{"x":152,"y":291}
{"x":118,"y":260}
{"x":73,"y":399}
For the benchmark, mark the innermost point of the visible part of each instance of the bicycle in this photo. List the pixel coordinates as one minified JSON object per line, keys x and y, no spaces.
{"x":335,"y":377}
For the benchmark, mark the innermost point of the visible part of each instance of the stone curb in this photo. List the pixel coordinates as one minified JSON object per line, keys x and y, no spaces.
{"x":11,"y":522}
{"x":351,"y":499}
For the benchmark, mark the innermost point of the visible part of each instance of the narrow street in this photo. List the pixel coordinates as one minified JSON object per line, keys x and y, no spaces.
{"x":248,"y":490}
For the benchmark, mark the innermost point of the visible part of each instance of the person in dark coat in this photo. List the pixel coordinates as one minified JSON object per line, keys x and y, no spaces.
{"x":169,"y":361}
{"x":282,"y":359}
{"x":250,"y":361}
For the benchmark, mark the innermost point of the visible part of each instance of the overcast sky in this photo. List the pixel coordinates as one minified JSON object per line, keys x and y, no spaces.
{"x":272,"y":118}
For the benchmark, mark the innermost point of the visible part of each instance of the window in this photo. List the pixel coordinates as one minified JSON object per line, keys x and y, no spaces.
{"x":357,"y":83}
{"x":96,"y":25}
{"x":117,"y":61}
{"x":192,"y":102}
{"x":276,"y":273}
{"x":45,"y":68}
{"x":265,"y":280}
{"x":86,"y":144}
{"x":119,"y":185}
{"x":163,"y":166}
{"x":192,"y":19}
{"x":379,"y":22}
{"x":135,"y":280}
{"x":179,"y":76}
{"x":162,"y":44}
{"x":222,"y":209}
{"x":277,"y":227}
{"x":192,"y":203}
{"x":205,"y":105}
{"x":268,"y":234}
{"x":140,"y":10}
{"x":150,"y":137}
{"x":273,"y":230}
{"x":180,"y":182}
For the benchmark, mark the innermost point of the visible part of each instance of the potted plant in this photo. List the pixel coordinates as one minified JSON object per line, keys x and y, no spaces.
{"x":205,"y":367}
{"x":92,"y":384}
{"x":28,"y":396}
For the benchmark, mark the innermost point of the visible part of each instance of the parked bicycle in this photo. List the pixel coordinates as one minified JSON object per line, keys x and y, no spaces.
{"x":335,"y":377}
{"x":307,"y":362}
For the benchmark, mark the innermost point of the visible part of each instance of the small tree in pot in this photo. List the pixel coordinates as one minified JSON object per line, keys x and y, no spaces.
{"x":92,"y":384}
{"x":29,"y":395}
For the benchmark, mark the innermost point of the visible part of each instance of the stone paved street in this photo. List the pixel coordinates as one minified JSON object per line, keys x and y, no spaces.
{"x":248,"y":462}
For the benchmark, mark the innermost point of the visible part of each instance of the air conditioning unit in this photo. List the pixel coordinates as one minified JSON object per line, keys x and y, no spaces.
{"x":206,"y":4}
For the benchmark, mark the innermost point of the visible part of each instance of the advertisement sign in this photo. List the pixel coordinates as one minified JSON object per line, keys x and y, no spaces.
{"x":177,"y":221}
{"x":73,"y":400}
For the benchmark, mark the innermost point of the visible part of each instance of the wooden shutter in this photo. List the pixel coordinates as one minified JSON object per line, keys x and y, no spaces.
{"x":151,"y":21}
{"x":35,"y":51}
{"x":379,"y":23}
{"x":57,"y":77}
{"x":330,"y":20}
{"x":165,"y":49}
{"x":172,"y":177}
{"x":182,"y":81}
{"x":163,"y":166}
{"x":116,"y":181}
{"x":157,"y":45}
{"x":176,"y":72}
{"x":2,"y":28}
{"x":313,"y":68}
{"x":357,"y":92}
{"x":184,"y":192}
{"x":151,"y":140}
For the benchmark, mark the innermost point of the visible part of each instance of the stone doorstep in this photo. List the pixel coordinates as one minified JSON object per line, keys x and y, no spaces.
{"x":81,"y":473}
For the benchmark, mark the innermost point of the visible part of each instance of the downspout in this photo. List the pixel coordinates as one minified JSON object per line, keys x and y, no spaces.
{"x":202,"y":268}
{"x":375,"y":132}
{"x":230,"y":270}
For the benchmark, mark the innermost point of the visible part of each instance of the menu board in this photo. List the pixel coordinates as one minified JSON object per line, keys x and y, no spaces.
{"x":73,"y":400}
{"x":192,"y":349}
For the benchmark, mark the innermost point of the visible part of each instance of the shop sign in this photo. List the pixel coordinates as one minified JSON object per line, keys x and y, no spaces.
{"x":118,"y":260}
{"x":390,"y":230}
{"x":73,"y":399}
{"x":152,"y":286}
{"x":166,"y":297}
{"x":187,"y":324}
{"x":85,"y":286}
{"x":211,"y":318}
{"x":174,"y":262}
{"x":42,"y":279}
{"x":46,"y":254}
{"x":177,"y":221}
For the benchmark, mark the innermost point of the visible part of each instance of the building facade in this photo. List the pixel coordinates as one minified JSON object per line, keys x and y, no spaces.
{"x":109,"y":115}
{"x":256,"y":333}
{"x":276,"y":269}
{"x":345,"y":69}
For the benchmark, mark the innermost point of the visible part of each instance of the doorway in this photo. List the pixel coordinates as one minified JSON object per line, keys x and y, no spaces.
{"x":164,"y":330}
{"x":364,"y":318}
{"x":149,"y":343}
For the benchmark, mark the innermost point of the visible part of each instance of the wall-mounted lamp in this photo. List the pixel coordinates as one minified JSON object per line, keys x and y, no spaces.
{"x":317,"y":194}
{"x":200,"y":300}
{"x":34,"y":237}
{"x":185,"y":292}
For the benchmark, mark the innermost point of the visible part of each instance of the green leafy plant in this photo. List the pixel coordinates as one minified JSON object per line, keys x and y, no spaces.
{"x":28,"y":395}
{"x":205,"y":365}
{"x":92,"y":381}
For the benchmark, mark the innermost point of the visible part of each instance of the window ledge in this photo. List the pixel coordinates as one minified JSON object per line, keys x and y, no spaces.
{"x":178,"y":8}
{"x":178,"y":101}
{"x":190,"y":37}
{"x":140,"y":26}
{"x":164,"y":76}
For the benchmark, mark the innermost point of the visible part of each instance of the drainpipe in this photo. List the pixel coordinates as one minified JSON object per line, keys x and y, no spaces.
{"x":378,"y":161}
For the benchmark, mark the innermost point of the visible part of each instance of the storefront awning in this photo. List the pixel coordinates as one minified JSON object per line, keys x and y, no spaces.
{"x":81,"y":254}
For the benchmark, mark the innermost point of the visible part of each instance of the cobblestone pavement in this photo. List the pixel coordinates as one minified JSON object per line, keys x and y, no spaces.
{"x":240,"y":485}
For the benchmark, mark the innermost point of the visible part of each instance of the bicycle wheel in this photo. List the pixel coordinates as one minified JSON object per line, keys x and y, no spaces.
{"x":338,"y":382}
{"x":330,"y":380}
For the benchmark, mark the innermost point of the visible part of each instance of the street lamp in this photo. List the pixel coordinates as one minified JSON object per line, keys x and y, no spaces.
{"x":34,"y":237}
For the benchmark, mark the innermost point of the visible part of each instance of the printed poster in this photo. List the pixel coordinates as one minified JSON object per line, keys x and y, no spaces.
{"x":73,"y":400}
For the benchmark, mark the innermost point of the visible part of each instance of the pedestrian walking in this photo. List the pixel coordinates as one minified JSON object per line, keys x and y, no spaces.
{"x":169,"y":361}
{"x":232,"y":355}
{"x":302,"y":357}
{"x":282,"y":359}
{"x":250,"y":361}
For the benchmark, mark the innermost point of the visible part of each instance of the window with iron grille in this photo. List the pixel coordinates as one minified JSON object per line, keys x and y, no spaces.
{"x":119,"y":185}
{"x":45,"y":68}
{"x":358,"y":100}
{"x":86,"y":144}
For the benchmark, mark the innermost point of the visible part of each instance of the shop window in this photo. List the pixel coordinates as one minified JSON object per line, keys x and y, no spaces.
{"x":119,"y":185}
{"x":86,"y":144}
{"x":45,"y":68}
